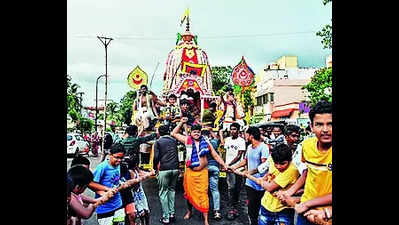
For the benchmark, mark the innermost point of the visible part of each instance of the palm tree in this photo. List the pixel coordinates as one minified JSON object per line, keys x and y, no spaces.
{"x":74,"y":99}
{"x":125,"y":107}
{"x":112,"y":109}
{"x":76,"y":96}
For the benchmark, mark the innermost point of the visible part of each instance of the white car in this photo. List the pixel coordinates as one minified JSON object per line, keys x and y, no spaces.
{"x":76,"y":144}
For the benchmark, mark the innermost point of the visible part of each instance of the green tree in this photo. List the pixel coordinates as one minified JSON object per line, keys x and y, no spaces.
{"x":74,"y":100}
{"x":221,"y":78}
{"x":112,"y":110}
{"x":326,"y":33}
{"x":74,"y":115}
{"x":320,"y":86}
{"x":125,"y":107}
{"x":248,"y":97}
{"x":85,"y":125}
{"x":100,"y":116}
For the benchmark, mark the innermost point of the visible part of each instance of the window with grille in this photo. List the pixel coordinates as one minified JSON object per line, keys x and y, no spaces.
{"x":259,"y":101}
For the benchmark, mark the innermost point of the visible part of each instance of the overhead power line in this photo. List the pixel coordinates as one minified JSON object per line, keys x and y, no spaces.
{"x":136,"y":37}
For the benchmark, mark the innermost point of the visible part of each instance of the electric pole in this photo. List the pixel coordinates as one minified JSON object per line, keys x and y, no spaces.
{"x":105,"y":41}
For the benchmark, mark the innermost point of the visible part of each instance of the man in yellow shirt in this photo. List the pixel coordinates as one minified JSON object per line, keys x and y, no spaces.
{"x":282,"y":175}
{"x":317,"y":155}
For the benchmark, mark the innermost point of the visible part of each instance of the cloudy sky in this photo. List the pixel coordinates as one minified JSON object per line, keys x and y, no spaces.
{"x":144,"y":32}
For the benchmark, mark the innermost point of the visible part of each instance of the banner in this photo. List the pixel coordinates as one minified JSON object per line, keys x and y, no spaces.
{"x":136,"y":78}
{"x":242,"y":74}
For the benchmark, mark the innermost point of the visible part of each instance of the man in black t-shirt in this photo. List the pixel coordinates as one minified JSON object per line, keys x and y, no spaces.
{"x":167,"y":158}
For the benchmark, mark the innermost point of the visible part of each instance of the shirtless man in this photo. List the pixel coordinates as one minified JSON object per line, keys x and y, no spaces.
{"x":196,"y":180}
{"x":145,"y":105}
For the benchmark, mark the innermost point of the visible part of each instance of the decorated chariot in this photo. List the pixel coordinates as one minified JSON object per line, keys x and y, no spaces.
{"x":188,"y":76}
{"x":188,"y":72}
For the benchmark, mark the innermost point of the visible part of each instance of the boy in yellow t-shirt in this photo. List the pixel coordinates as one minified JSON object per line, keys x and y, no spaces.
{"x":282,"y":175}
{"x":317,"y":155}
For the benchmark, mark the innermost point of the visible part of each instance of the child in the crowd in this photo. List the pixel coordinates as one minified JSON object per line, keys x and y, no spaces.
{"x":69,"y":190}
{"x":140,"y":199}
{"x":108,"y":174}
{"x":129,"y":163}
{"x":132,"y":171}
{"x":94,"y":186}
{"x":78,"y":178}
{"x":282,"y":174}
{"x":126,"y":194}
{"x":80,"y":161}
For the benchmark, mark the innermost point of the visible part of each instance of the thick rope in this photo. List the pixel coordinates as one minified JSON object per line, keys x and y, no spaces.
{"x":123,"y":185}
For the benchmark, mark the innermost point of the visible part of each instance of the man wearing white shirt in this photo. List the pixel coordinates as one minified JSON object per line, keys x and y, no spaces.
{"x":235,"y":147}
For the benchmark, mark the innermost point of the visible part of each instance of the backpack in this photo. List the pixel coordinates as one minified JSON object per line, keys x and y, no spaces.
{"x":108,"y":141}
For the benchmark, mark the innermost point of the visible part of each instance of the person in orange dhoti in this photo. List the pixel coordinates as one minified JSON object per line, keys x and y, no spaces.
{"x":196,"y":174}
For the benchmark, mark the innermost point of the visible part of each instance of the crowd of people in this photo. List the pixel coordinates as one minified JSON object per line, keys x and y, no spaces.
{"x":287,"y":178}
{"x":94,"y":140}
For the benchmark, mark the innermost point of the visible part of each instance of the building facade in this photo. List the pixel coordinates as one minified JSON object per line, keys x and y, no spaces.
{"x":279,"y":90}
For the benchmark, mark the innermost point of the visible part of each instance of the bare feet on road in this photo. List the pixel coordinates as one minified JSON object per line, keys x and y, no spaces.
{"x":188,"y":215}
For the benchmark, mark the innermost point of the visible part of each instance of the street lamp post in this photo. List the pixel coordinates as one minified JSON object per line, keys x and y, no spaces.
{"x":105,"y":41}
{"x":97,"y":99}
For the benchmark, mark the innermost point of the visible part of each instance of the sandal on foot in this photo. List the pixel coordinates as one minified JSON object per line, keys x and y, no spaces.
{"x":217,"y":216}
{"x":172,"y":218}
{"x":164,"y":220}
{"x":191,"y":214}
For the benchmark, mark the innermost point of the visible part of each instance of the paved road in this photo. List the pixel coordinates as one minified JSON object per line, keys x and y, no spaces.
{"x":151,"y":189}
